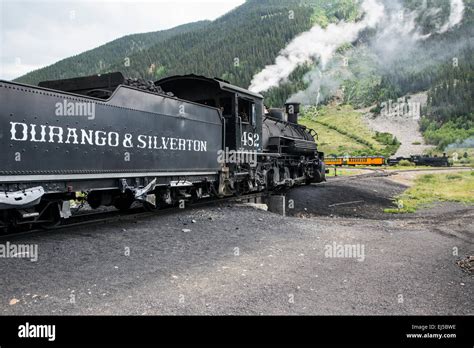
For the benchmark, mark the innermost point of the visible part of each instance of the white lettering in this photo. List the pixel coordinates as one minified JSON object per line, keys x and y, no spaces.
{"x":100,"y":141}
{"x":52,"y":133}
{"x":113,"y":139}
{"x":55,"y":134}
{"x":182,"y":144}
{"x":71,"y":133}
{"x":13,"y":131}
{"x":85,"y":136}
{"x":33,"y":134}
{"x":173,"y":143}
{"x":165,"y":142}
{"x":142,"y":142}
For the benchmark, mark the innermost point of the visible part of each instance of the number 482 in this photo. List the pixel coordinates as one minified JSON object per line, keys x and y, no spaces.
{"x":250,"y":139}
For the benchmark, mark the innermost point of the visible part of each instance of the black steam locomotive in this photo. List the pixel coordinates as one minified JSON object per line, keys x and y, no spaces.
{"x":418,"y":160}
{"x":122,"y":140}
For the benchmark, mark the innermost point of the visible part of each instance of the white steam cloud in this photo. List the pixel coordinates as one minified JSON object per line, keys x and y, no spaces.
{"x":399,"y":37}
{"x":467,"y":143}
{"x":397,"y":31}
{"x":455,"y":16}
{"x":315,"y":43}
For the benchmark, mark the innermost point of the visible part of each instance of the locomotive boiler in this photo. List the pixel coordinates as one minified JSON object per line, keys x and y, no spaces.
{"x":120,"y":141}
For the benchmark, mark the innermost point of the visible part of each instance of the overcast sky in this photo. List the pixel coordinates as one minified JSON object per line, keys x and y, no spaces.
{"x":37,"y":33}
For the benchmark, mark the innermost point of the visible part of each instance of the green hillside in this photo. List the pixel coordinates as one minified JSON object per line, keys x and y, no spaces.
{"x":341,"y":131}
{"x":442,"y":65}
{"x":241,"y":43}
{"x":100,"y":59}
{"x":233,"y":47}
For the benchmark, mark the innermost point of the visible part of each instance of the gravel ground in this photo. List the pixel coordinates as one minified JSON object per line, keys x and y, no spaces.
{"x":356,"y":196}
{"x":240,"y":260}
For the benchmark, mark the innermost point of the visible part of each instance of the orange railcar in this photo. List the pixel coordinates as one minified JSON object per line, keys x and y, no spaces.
{"x":366,"y":161}
{"x":333,"y":161}
{"x":355,"y":161}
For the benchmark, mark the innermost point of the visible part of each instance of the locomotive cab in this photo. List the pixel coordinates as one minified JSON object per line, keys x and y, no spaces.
{"x":241,"y":109}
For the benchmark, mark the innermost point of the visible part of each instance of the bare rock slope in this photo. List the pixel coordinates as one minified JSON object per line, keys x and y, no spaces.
{"x":404,"y":126}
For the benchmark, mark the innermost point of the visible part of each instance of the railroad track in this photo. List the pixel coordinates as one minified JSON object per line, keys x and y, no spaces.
{"x":435,"y":169}
{"x":133,"y":213}
{"x":372,"y":174}
{"x":137,"y":213}
{"x":385,"y":172}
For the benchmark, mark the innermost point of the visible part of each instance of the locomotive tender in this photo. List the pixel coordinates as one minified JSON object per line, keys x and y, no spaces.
{"x":122,"y":140}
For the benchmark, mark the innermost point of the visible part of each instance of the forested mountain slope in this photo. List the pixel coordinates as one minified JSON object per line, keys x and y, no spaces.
{"x":241,"y":43}
{"x":101,"y":58}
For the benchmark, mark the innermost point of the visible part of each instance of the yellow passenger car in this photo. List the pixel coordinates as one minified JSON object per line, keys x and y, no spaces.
{"x":333,"y":161}
{"x":365,"y":161}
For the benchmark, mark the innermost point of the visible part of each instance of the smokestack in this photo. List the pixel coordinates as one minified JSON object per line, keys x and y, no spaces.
{"x":292,"y":109}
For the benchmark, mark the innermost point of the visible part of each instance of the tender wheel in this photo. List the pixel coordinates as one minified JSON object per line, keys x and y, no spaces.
{"x":94,"y":199}
{"x":123,"y":203}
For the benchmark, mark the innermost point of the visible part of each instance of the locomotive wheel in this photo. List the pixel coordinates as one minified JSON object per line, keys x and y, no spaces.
{"x":123,"y":203}
{"x":94,"y":200}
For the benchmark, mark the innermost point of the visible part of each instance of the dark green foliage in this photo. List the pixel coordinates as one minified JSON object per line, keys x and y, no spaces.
{"x":391,"y":142}
{"x":234,"y":47}
{"x":444,"y":133}
{"x":443,"y":65}
{"x":241,"y":43}
{"x":100,"y":59}
{"x":386,"y":138}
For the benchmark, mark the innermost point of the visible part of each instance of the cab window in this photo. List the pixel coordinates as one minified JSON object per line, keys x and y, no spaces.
{"x":246,"y":110}
{"x":226,"y":106}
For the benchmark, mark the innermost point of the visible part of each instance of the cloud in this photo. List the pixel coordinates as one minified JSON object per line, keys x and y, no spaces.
{"x":455,"y":15}
{"x":34,"y":34}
